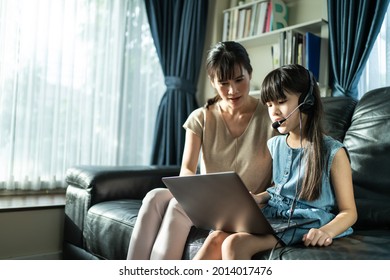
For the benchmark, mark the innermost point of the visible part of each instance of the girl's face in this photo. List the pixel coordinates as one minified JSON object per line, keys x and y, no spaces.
{"x":280,"y":109}
{"x":234,"y":91}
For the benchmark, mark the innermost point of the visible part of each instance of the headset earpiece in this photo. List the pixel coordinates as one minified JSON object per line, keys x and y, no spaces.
{"x":308,"y":101}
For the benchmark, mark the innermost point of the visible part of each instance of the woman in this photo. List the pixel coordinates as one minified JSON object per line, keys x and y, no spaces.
{"x":228,"y":134}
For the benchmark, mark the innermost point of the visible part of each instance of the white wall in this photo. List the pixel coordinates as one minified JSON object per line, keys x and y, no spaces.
{"x":31,"y":234}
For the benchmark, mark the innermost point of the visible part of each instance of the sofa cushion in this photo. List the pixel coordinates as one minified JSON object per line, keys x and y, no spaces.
{"x":368,"y":143}
{"x":108,"y":228}
{"x":362,"y":245}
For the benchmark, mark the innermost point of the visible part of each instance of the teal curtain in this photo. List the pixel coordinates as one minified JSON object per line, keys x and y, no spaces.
{"x":353,"y":28}
{"x":178,"y":28}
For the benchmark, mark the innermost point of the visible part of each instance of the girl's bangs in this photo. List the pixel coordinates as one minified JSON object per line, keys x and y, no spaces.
{"x":272,"y":88}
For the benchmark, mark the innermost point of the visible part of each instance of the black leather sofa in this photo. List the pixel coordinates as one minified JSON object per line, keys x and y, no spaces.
{"x":102,"y":202}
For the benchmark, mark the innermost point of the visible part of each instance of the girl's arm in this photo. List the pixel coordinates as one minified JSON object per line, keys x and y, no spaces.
{"x":341,"y":178}
{"x":190,"y":154}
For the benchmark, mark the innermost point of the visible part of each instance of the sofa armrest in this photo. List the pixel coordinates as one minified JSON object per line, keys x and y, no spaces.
{"x":89,"y":185}
{"x":105,"y":183}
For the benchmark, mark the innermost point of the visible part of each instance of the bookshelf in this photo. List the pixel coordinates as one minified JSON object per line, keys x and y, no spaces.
{"x":272,"y":37}
{"x":303,"y":16}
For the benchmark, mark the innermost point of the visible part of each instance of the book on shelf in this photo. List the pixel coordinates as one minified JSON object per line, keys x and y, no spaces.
{"x":312,"y":53}
{"x":248,"y":16}
{"x":241,"y":23}
{"x":275,"y":53}
{"x":234,"y":23}
{"x":294,"y":41}
{"x":298,"y":48}
{"x":226,"y":25}
{"x":254,"y":18}
{"x":262,"y":17}
{"x":268,"y":18}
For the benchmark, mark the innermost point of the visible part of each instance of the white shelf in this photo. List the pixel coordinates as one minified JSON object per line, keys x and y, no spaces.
{"x":273,"y":36}
{"x":304,"y":16}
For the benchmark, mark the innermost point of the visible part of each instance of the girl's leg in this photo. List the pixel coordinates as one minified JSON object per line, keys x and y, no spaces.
{"x":148,"y":223}
{"x":173,"y":234}
{"x":211,"y":248}
{"x":242,"y":246}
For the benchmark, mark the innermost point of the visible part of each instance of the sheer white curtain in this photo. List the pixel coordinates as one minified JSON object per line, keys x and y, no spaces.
{"x":376,"y":73}
{"x":80,"y":83}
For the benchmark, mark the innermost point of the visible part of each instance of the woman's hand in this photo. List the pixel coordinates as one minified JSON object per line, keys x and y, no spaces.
{"x":317,"y":237}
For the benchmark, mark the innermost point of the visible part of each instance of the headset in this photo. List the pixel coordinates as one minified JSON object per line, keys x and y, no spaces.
{"x":306,"y":101}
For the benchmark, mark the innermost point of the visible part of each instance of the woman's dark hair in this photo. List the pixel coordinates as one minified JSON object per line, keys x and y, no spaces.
{"x":296,"y":79}
{"x":221,"y":62}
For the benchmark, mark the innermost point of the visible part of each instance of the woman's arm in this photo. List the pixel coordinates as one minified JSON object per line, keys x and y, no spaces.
{"x":341,"y":178}
{"x":190,"y":154}
{"x":261,"y":198}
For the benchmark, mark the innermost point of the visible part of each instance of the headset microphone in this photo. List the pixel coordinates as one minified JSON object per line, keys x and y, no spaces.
{"x":276,"y":124}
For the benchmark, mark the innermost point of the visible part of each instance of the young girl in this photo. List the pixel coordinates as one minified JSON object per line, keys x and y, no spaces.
{"x":229,"y":133}
{"x":311,"y":173}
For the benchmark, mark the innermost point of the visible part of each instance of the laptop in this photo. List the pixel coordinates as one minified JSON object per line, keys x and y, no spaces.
{"x":220,"y":201}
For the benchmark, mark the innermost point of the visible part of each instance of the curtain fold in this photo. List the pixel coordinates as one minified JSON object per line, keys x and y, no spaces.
{"x":178,"y":28}
{"x":353,"y":27}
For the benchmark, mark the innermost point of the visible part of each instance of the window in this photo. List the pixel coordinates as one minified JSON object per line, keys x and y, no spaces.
{"x":376,"y":73}
{"x":80,"y":83}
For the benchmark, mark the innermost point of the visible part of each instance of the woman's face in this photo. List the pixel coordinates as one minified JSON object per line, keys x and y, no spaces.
{"x":280,"y":109}
{"x":234,"y":91}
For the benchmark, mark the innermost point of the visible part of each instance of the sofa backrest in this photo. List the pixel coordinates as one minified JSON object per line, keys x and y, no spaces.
{"x":337,"y":115}
{"x":368,"y":143}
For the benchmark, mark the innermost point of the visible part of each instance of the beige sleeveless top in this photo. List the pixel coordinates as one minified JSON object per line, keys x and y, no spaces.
{"x":247,"y":154}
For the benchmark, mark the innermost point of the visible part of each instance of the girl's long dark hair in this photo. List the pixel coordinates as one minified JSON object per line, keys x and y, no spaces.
{"x":295,"y":79}
{"x":221,"y":62}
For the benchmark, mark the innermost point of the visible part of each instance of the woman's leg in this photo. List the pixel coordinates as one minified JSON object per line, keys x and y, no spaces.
{"x":174,"y":230}
{"x":242,"y":246}
{"x":212,"y":246}
{"x":148,"y":223}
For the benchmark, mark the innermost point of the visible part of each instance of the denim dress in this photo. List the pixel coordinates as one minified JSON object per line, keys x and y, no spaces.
{"x":286,"y":169}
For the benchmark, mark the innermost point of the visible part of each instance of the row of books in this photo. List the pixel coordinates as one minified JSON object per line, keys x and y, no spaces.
{"x":301,"y":48}
{"x":253,"y":19}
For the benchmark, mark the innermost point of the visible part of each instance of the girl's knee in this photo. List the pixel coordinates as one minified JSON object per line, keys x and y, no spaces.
{"x":244,"y":246}
{"x":232,"y":242}
{"x":233,"y":246}
{"x":216,"y":238}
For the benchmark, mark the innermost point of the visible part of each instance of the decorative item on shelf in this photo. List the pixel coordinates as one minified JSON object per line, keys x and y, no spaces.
{"x":254,"y":18}
{"x":279,"y":15}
